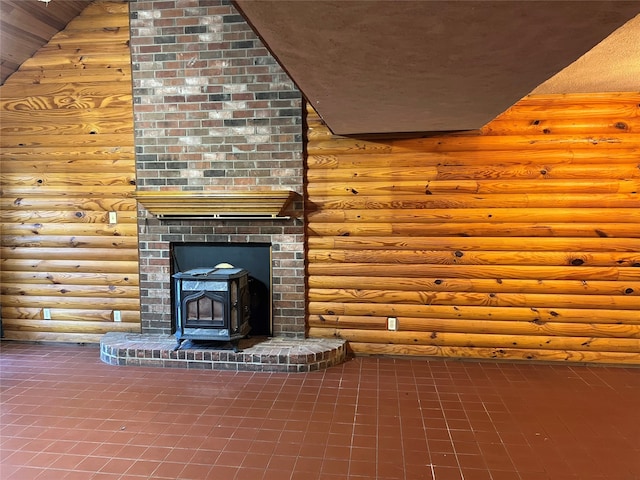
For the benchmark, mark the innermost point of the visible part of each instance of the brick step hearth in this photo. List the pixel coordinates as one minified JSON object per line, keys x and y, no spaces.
{"x":256,"y":354}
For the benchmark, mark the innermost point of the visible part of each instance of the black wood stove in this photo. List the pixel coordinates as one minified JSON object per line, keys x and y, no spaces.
{"x":212,"y":304}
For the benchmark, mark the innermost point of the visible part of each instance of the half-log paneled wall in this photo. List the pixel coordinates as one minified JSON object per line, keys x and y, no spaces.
{"x":69,"y":234}
{"x":521,"y":241}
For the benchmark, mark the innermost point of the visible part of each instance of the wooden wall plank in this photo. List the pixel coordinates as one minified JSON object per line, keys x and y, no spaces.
{"x":598,"y":244}
{"x":503,"y":299}
{"x":59,"y":241}
{"x":61,"y":326}
{"x":41,"y":190}
{"x":69,"y":278}
{"x":67,"y":164}
{"x":448,"y":229}
{"x":74,"y":253}
{"x":90,"y":70}
{"x":104,"y":152}
{"x":86,"y":216}
{"x":435,"y":325}
{"x":72,"y":167}
{"x":524,"y":313}
{"x":494,"y":353}
{"x":477,"y":187}
{"x":520,"y":241}
{"x":18,"y":97}
{"x":67,"y":141}
{"x":486,"y":257}
{"x":80,"y":266}
{"x":468,"y":200}
{"x":76,"y":69}
{"x":575,"y":287}
{"x":526,"y":157}
{"x":490,"y":340}
{"x":119,"y":230}
{"x":473,"y":172}
{"x":16,"y":314}
{"x":55,"y":203}
{"x":476,"y":215}
{"x":78,"y":303}
{"x":495,"y":272}
{"x":94,"y":122}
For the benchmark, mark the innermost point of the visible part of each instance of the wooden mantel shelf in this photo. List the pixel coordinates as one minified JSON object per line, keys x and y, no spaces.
{"x":216,"y":204}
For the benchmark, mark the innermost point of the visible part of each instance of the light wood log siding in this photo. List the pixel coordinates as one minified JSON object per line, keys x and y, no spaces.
{"x":518,"y":241}
{"x":67,"y":160}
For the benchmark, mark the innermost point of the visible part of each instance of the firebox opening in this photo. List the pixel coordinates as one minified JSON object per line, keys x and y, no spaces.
{"x":255,"y":258}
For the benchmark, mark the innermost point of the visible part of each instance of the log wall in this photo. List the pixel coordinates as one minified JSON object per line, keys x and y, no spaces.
{"x":519,"y":241}
{"x":69,"y":236}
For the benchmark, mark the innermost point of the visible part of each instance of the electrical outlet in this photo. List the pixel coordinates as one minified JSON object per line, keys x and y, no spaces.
{"x":46,"y":313}
{"x":113,"y":217}
{"x":392,"y":323}
{"x":116,"y":316}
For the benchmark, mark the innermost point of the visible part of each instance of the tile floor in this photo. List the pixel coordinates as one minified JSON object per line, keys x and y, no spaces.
{"x":67,"y":415}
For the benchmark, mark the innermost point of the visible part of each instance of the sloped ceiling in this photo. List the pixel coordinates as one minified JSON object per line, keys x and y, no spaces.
{"x":379,"y":66}
{"x":27,"y":25}
{"x":611,"y":66}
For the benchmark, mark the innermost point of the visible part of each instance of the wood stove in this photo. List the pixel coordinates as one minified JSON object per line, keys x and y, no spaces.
{"x":212,"y":304}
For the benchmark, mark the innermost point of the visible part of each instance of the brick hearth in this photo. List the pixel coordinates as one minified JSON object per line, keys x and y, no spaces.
{"x":259,"y":354}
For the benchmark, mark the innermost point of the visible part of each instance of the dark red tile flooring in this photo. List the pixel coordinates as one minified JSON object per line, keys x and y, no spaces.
{"x":67,"y":415}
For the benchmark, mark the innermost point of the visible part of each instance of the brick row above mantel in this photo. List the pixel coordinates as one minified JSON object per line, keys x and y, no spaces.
{"x":170,"y":204}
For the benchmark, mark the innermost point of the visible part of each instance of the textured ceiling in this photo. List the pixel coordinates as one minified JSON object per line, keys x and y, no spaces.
{"x":378,"y":66}
{"x":611,"y":66}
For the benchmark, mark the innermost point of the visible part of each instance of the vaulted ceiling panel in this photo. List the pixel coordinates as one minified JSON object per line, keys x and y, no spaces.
{"x":27,"y":25}
{"x":378,"y":66}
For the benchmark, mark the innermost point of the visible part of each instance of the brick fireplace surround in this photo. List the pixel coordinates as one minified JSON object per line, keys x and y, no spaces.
{"x":214,"y":111}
